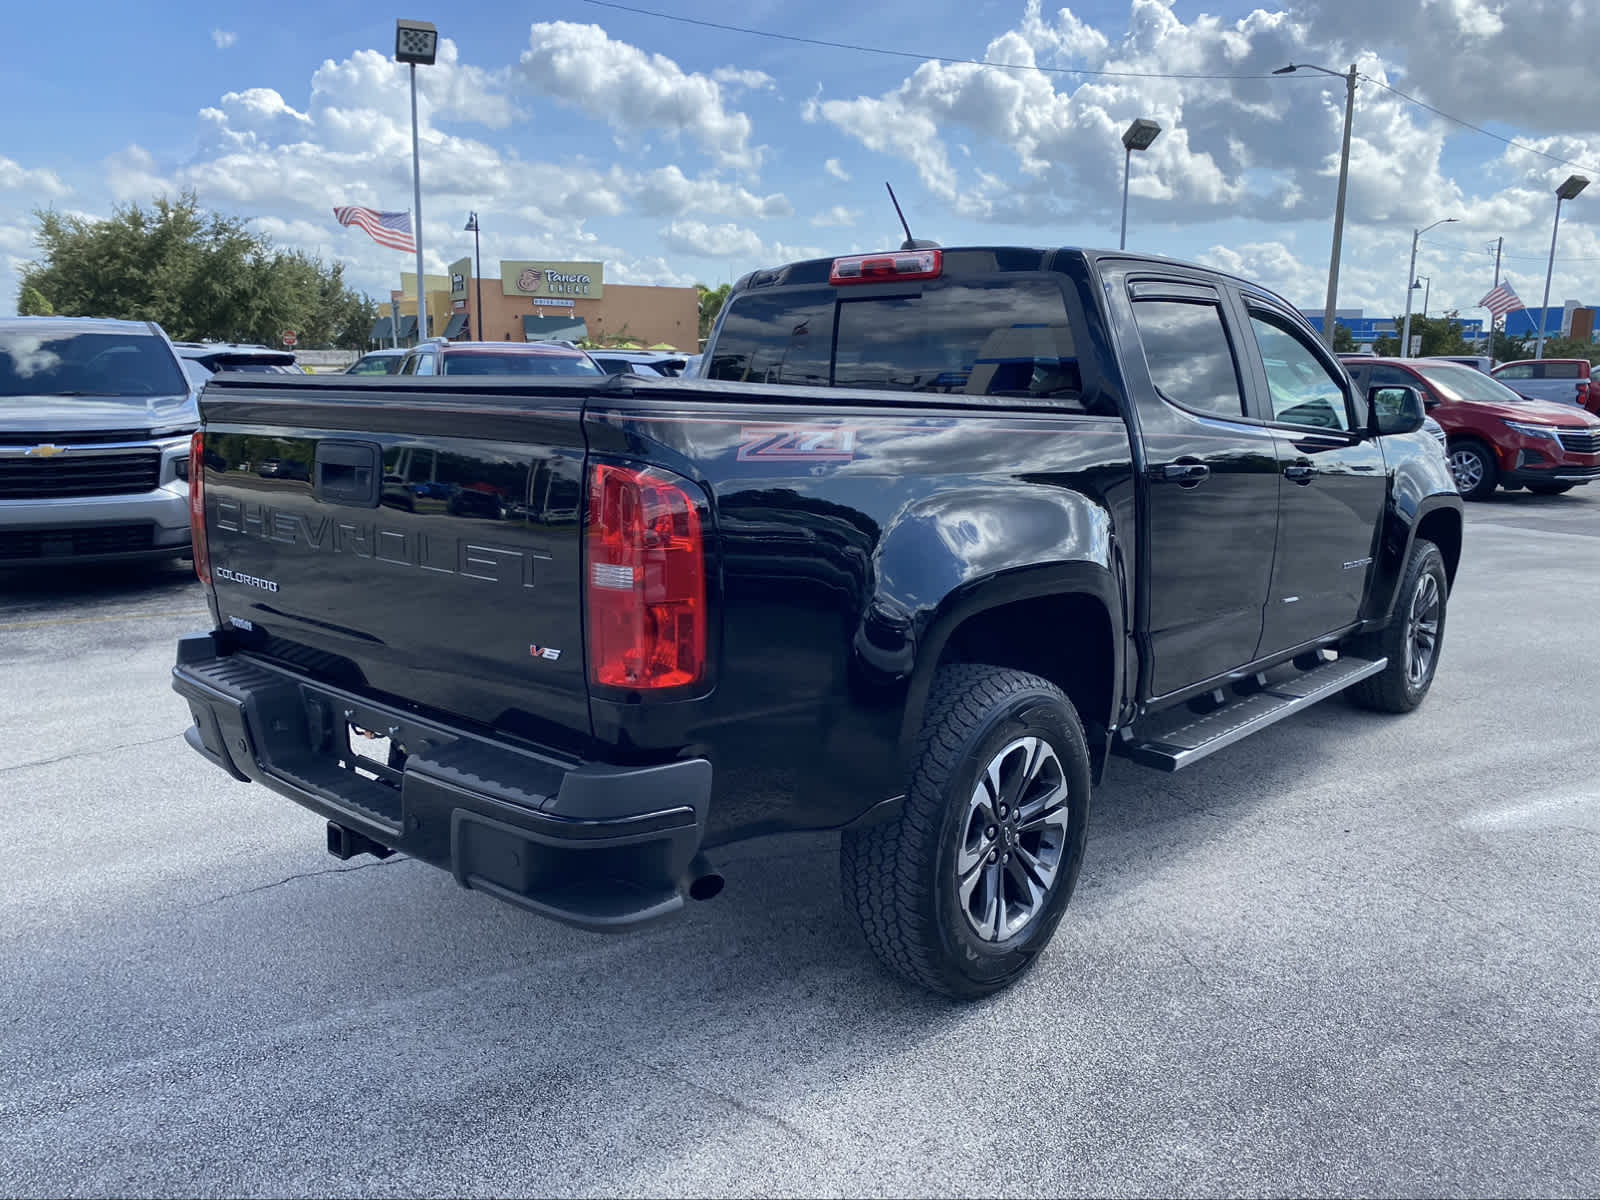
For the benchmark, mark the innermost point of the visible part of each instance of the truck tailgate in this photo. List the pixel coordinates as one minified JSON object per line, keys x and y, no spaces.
{"x":421,"y":542}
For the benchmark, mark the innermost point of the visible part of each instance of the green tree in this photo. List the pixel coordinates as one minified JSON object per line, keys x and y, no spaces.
{"x":1440,"y":335}
{"x":1566,"y":347}
{"x":1510,"y":349}
{"x":711,"y":302}
{"x":31,"y":303}
{"x":202,"y":276}
{"x":1344,"y":342}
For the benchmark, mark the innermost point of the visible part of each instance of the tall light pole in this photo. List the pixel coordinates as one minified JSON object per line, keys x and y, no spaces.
{"x":417,"y":42}
{"x":477,"y":271}
{"x":1137,"y":136}
{"x":1411,"y":280}
{"x":1344,"y":178}
{"x":1573,"y":185}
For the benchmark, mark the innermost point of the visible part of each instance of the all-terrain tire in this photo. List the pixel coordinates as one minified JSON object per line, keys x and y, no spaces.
{"x":901,"y":877}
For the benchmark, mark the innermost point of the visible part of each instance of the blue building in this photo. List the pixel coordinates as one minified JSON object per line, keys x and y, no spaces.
{"x":1367,"y":330}
{"x":1572,"y":319}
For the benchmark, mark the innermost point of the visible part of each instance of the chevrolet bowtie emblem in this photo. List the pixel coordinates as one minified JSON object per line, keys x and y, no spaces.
{"x":45,"y":451}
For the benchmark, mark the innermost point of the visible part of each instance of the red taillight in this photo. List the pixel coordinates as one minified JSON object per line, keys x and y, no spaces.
{"x":881,"y":268}
{"x":197,"y":508}
{"x":646,"y":580}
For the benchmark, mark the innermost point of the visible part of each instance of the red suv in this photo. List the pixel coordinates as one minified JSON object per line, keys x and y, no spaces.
{"x":1564,"y":380}
{"x":1495,"y":436}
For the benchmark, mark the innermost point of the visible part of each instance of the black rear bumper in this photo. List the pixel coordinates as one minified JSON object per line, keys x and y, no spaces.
{"x":594,"y":845}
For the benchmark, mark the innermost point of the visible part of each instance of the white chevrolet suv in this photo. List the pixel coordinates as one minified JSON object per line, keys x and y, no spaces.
{"x":95,"y":421}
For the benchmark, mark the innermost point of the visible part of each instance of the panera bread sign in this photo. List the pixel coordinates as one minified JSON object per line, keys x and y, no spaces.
{"x":556,"y":280}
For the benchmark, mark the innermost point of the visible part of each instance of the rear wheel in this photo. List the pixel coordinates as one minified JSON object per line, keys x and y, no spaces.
{"x":1472,"y":464}
{"x":963,"y":889}
{"x":1412,"y":639}
{"x":1550,"y":489}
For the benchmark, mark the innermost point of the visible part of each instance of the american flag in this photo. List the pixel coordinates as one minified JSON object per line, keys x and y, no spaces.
{"x":1501,"y":301}
{"x":391,"y":229}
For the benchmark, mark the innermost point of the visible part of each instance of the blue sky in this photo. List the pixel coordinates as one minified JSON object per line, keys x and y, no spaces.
{"x":675,"y":152}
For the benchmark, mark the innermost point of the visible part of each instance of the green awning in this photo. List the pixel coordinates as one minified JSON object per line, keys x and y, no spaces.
{"x":381,"y":330}
{"x":457,"y":323}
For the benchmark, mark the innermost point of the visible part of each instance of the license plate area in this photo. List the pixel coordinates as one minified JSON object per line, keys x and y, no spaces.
{"x":369,"y":754}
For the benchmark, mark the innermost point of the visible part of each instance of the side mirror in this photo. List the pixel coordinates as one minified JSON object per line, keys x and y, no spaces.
{"x":1394,"y":410}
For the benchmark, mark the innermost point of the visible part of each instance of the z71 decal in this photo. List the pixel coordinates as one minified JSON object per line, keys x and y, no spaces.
{"x":769,"y":444}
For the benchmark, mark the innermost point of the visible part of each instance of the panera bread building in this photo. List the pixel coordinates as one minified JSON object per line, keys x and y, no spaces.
{"x":545,"y":301}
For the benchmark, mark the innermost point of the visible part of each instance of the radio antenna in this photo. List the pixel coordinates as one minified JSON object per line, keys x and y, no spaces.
{"x":910,"y":242}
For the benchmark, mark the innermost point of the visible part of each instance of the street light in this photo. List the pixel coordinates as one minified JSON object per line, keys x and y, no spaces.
{"x":1426,"y":291}
{"x":477,"y":253}
{"x":1411,"y":281}
{"x":1569,"y":189}
{"x":417,"y":42}
{"x":1344,"y":178}
{"x":1137,"y":136}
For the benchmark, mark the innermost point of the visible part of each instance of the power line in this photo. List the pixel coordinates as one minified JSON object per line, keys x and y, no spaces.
{"x":1439,"y":112}
{"x":912,"y":54}
{"x":1489,"y":250}
{"x":916,"y":56}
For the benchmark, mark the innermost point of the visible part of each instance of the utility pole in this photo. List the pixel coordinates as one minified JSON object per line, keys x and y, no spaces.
{"x":1338,"y":208}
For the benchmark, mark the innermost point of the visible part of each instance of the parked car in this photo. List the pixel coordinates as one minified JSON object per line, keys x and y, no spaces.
{"x":623,"y":362}
{"x":1563,"y":380}
{"x":1497,"y":438}
{"x":378,"y":362}
{"x":227,"y":356}
{"x":497,"y":358}
{"x":912,"y":562}
{"x":95,"y":425}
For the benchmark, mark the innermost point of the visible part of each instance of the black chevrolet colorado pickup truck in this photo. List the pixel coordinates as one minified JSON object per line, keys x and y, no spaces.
{"x":936,"y":532}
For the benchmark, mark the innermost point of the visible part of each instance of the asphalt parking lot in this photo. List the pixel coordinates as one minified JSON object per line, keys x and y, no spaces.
{"x":1355,"y":954}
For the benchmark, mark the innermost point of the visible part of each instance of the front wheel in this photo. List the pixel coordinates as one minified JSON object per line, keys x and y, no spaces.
{"x":1412,"y":639}
{"x":1473,"y":467}
{"x":962,"y":890}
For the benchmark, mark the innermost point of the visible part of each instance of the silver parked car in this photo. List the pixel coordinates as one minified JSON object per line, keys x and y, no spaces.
{"x":95,"y":421}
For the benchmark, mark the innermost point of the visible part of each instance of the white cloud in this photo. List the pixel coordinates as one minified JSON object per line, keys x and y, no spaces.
{"x":668,"y":191}
{"x":729,"y":241}
{"x":836,"y":217}
{"x":630,"y":90}
{"x":734,"y":77}
{"x":224,"y":39}
{"x":833,"y":167}
{"x":41,"y":181}
{"x":133,"y":177}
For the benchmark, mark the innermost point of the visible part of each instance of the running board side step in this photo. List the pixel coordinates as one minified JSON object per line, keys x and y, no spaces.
{"x":1170,"y":741}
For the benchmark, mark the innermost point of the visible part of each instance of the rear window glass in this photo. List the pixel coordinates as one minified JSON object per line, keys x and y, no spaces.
{"x":1563,"y":370}
{"x":997,"y":336}
{"x":88,"y":364}
{"x":517,"y":364}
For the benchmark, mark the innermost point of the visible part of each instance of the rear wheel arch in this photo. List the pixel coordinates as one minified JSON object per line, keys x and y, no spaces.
{"x":1066,"y":629}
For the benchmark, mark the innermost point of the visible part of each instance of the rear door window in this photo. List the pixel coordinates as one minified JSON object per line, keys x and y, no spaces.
{"x":1190,"y":358}
{"x":1521,"y":371}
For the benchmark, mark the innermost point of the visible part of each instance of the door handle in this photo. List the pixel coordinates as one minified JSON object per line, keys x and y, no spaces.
{"x":1301,"y":473}
{"x":1184,"y":474}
